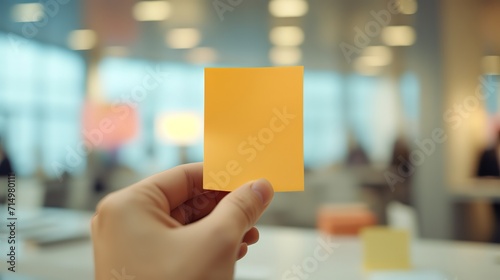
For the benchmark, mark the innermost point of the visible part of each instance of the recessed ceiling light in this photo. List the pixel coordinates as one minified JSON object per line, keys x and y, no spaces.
{"x":285,"y":55}
{"x":402,"y":35}
{"x":183,"y":38}
{"x":202,"y":55}
{"x":151,"y":10}
{"x":116,"y":51}
{"x":83,"y":39}
{"x":288,"y":8}
{"x":491,"y":65}
{"x":363,"y":67}
{"x":407,"y":7}
{"x":287,"y":36}
{"x":27,"y":12}
{"x":377,"y":55}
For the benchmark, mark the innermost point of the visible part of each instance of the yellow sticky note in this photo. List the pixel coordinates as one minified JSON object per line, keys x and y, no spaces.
{"x":386,"y":249}
{"x":253,"y":127}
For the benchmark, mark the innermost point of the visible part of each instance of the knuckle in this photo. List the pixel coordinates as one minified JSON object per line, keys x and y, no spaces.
{"x":224,"y":237}
{"x":94,"y":222}
{"x":112,"y":204}
{"x":110,"y":212}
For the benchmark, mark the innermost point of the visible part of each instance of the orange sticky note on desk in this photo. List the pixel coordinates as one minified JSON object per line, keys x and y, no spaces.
{"x":253,"y":127}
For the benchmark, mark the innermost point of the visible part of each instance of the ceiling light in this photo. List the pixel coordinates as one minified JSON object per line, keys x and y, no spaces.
{"x":491,"y":65}
{"x":407,"y":7}
{"x":83,"y":39}
{"x":398,"y":35}
{"x":288,"y":8}
{"x":116,"y":51}
{"x":179,"y":128}
{"x":362,"y":66}
{"x":288,"y":36}
{"x":202,"y":56}
{"x":377,"y":56}
{"x":285,"y":55}
{"x":27,"y":12}
{"x":183,"y":38}
{"x":151,"y":10}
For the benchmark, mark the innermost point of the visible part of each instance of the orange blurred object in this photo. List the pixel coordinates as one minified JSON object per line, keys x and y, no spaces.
{"x":107,"y":126}
{"x":344,"y":219}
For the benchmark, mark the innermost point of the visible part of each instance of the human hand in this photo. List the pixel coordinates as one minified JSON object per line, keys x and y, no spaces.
{"x":168,"y":227}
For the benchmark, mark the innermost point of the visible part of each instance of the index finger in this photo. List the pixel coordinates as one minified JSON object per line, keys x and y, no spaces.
{"x":178,"y":184}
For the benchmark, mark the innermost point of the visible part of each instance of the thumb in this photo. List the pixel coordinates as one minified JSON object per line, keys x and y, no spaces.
{"x":238,"y":211}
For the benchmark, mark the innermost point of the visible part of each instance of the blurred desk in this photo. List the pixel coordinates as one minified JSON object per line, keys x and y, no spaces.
{"x":52,"y":244}
{"x":279,"y":250}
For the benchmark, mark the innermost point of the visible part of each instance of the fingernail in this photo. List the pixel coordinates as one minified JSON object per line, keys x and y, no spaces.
{"x":264,"y":190}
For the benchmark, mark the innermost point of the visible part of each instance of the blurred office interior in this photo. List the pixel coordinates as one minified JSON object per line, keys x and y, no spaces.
{"x":401,"y":102}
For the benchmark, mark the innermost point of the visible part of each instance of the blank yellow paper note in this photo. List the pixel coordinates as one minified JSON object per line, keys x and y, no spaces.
{"x":253,"y":127}
{"x":386,"y":249}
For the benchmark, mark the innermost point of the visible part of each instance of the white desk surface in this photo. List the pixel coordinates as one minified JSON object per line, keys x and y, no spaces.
{"x":278,"y":250}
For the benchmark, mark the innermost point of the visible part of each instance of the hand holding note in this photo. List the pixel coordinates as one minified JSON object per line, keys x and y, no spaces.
{"x":167,"y":227}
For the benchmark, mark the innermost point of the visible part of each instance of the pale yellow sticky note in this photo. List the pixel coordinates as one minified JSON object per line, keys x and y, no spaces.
{"x":386,"y":249}
{"x":253,"y":127}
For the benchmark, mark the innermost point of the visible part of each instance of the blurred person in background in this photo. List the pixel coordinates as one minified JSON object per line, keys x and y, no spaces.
{"x":489,"y":166}
{"x":400,"y":160}
{"x":489,"y":161}
{"x":5,"y":165}
{"x":5,"y":170}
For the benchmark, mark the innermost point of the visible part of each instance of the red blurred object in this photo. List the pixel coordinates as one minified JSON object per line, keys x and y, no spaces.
{"x":344,"y":219}
{"x":107,"y":126}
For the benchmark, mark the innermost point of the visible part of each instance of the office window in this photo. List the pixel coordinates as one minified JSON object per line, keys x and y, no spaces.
{"x":491,"y":90}
{"x":41,"y":88}
{"x":325,"y":140}
{"x":173,"y":88}
{"x":410,"y":99}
